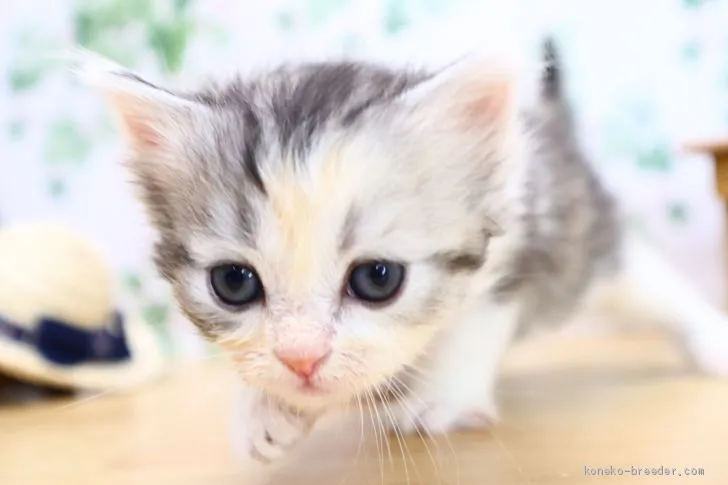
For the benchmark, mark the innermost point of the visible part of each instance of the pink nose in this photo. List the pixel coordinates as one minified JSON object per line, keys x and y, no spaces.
{"x":303,"y":365}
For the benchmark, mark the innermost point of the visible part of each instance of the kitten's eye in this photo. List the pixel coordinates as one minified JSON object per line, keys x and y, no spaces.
{"x":236,"y":285}
{"x":375,"y":281}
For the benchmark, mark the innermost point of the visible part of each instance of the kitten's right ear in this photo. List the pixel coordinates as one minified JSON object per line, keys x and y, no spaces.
{"x":148,"y":114}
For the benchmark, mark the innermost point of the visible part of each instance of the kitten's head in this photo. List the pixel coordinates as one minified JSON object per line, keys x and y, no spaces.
{"x":323,"y":223}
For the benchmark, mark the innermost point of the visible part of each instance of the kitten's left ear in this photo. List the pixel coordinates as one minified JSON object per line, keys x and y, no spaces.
{"x":469,"y":115}
{"x":151,"y":116}
{"x":477,"y":93}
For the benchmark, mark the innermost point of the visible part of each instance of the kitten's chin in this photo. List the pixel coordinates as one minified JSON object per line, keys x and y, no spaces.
{"x":312,"y":397}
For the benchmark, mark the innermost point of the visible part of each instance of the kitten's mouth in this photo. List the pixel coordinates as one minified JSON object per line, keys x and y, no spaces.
{"x":310,"y":389}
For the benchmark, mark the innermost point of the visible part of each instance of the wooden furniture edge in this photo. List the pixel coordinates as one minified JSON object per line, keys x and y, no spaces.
{"x":717,"y":147}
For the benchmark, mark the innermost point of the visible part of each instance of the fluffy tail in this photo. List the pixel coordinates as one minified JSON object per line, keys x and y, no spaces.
{"x":552,"y":76}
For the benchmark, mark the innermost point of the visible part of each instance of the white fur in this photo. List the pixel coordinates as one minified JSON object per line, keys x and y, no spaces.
{"x":263,"y":428}
{"x":111,"y":78}
{"x":650,"y":293}
{"x":464,"y":365}
{"x":456,"y":386}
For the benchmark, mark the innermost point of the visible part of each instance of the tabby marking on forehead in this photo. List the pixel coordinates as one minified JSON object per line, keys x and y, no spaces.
{"x":303,"y":100}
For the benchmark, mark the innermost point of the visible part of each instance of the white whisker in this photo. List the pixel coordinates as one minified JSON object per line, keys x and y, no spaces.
{"x":380,"y":447}
{"x":361,"y":429}
{"x":511,"y":457}
{"x":401,"y":438}
{"x":384,"y":433}
{"x":360,"y":408}
{"x":403,"y":398}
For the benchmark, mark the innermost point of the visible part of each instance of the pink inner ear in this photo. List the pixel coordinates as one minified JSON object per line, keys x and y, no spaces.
{"x":142,"y":133}
{"x":139,"y":126}
{"x":489,"y":104}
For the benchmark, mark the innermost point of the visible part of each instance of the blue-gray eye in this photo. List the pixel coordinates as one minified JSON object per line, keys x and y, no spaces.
{"x":236,"y":285}
{"x":375,"y":281}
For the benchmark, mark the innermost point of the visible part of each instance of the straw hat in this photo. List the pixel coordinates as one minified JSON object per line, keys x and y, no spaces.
{"x":59,"y":325}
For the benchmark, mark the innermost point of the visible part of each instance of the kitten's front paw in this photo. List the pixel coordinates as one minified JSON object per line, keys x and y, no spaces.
{"x":444,"y":417}
{"x":266,"y":429}
{"x":277,"y":430}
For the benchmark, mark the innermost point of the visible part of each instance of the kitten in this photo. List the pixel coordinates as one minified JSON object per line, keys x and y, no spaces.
{"x":339,"y":227}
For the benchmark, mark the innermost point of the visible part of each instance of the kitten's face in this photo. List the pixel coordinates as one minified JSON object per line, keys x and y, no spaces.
{"x":324,"y":224}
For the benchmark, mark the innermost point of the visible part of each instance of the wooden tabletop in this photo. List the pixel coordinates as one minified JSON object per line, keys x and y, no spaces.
{"x":715,"y":147}
{"x":569,"y":408}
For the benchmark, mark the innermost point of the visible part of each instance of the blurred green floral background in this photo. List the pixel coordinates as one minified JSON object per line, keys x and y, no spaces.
{"x":645,"y":77}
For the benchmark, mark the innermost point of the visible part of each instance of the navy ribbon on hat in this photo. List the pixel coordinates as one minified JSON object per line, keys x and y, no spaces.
{"x":64,"y":344}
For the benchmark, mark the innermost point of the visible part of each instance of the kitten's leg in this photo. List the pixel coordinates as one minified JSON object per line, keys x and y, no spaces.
{"x":456,"y":390}
{"x":648,"y":291}
{"x":264,"y":428}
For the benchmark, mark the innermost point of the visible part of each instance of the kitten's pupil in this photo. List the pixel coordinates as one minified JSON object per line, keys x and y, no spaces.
{"x":235,"y":278}
{"x":376,"y":281}
{"x":379,"y":274}
{"x":235,"y":285}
